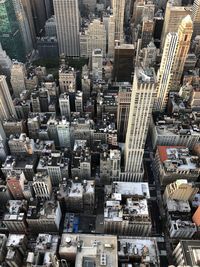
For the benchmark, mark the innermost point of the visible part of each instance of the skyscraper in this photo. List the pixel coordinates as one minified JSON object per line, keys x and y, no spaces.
{"x":18,"y":73}
{"x":184,"y":39}
{"x":123,"y":109}
{"x":173,"y":60}
{"x":164,"y":74}
{"x":142,"y":99}
{"x":111,"y":36}
{"x":7,"y":109}
{"x":118,"y":13}
{"x":67,"y":20}
{"x":93,"y":38}
{"x":27,"y":8}
{"x":38,"y":8}
{"x":23,"y":25}
{"x":10,"y":35}
{"x":124,"y":63}
{"x":174,"y":14}
{"x":5,"y":62}
{"x":196,"y":17}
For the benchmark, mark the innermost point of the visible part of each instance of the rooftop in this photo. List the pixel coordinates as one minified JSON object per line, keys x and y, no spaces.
{"x":90,"y":250}
{"x":144,"y":249}
{"x":146,"y":75}
{"x":15,"y":240}
{"x":128,"y":189}
{"x":183,"y":124}
{"x":46,"y":242}
{"x":55,"y":159}
{"x":178,"y":206}
{"x":177,"y":158}
{"x":134,"y":210}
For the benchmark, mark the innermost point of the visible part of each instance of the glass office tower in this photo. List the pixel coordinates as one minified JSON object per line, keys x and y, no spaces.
{"x":10,"y":36}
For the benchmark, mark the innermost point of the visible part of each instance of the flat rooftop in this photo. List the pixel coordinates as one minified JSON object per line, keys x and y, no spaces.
{"x":178,"y":205}
{"x":133,"y":210}
{"x":90,"y":250}
{"x":129,"y":189}
{"x":138,"y":247}
{"x":177,"y":158}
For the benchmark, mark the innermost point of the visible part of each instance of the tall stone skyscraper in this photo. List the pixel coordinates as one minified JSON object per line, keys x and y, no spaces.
{"x":142,"y":99}
{"x":173,"y":61}
{"x":67,"y":21}
{"x":118,"y":13}
{"x":7,"y":109}
{"x":185,"y":32}
{"x":174,"y":13}
{"x":196,"y":17}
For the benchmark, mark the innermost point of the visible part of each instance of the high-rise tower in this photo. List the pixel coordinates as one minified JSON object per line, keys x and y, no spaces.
{"x":23,"y":25}
{"x":118,"y":13}
{"x":173,"y":61}
{"x":67,"y":21}
{"x":196,"y":17}
{"x":185,"y":31}
{"x":10,"y":35}
{"x":174,"y":14}
{"x":7,"y":109}
{"x":142,"y":99}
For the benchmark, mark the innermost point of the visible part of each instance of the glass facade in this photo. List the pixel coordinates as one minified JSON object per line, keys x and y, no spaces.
{"x":10,"y":36}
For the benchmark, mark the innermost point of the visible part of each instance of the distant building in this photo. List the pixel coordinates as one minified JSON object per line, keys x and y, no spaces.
{"x":67,"y":26}
{"x":110,"y":165}
{"x":124,"y":63}
{"x":18,"y":73}
{"x":174,"y":14}
{"x":50,"y":27}
{"x":118,"y":7}
{"x":94,"y":37}
{"x":64,"y":134}
{"x":97,"y":64}
{"x":67,"y":79}
{"x":81,"y":161}
{"x":7,"y":109}
{"x":196,"y":17}
{"x":56,"y":165}
{"x":21,"y":145}
{"x":147,"y":32}
{"x":42,"y":186}
{"x":5,"y":62}
{"x":47,"y":47}
{"x":123,"y":108}
{"x":10,"y":34}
